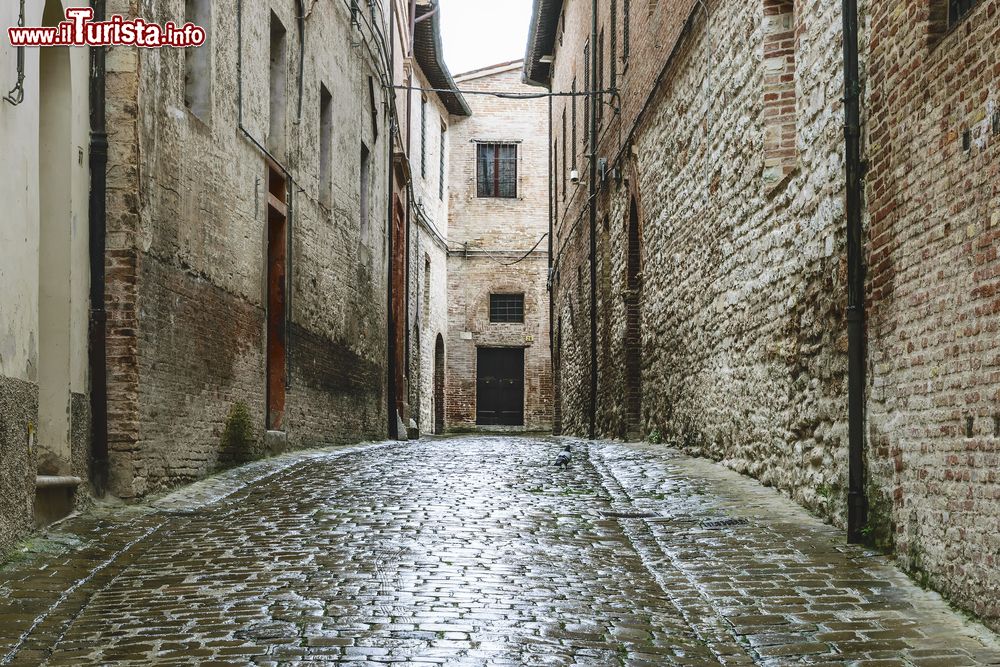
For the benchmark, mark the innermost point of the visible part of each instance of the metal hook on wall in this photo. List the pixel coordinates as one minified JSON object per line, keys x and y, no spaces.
{"x":16,"y":94}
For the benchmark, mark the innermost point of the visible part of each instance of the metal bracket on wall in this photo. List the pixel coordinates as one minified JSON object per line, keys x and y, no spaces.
{"x":16,"y":94}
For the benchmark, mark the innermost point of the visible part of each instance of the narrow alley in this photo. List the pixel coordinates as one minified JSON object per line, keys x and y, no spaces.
{"x":472,"y":550}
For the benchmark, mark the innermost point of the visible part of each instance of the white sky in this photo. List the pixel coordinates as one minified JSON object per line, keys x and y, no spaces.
{"x":477,"y":33}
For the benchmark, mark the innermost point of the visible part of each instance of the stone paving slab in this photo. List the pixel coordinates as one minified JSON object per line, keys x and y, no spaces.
{"x":470,"y":551}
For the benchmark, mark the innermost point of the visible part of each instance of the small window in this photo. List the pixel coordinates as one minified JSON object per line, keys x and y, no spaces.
{"x":507,"y":308}
{"x":278,"y":79}
{"x":325,"y":145}
{"x":957,"y":9}
{"x":374,"y":108}
{"x":423,"y":137}
{"x":365,"y":178}
{"x":442,"y":148}
{"x":496,"y":170}
{"x":626,"y":24}
{"x":198,"y":61}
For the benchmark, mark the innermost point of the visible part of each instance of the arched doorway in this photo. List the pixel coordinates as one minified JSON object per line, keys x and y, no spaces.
{"x":633,"y":333}
{"x":55,"y":159}
{"x":439,"y":386}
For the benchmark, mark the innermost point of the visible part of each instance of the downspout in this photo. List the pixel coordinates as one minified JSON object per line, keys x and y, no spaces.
{"x":857,"y":508}
{"x":97,"y":210}
{"x":390,"y":319}
{"x":551,"y":281}
{"x":592,"y":203}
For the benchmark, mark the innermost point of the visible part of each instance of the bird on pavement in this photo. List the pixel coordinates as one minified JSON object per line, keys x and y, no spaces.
{"x":564,"y":458}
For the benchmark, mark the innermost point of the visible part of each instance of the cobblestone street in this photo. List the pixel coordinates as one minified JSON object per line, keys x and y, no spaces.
{"x":470,"y":551}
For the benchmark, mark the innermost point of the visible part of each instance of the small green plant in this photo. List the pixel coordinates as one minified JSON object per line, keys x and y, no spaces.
{"x":239,"y":442}
{"x":655,"y":437}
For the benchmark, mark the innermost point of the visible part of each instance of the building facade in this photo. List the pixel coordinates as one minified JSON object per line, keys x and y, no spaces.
{"x":430,"y":115}
{"x":247,"y":237}
{"x":44,"y":276}
{"x":707,"y":283}
{"x":498,"y":362}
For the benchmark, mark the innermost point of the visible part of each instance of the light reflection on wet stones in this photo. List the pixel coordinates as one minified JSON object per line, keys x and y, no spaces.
{"x":474,"y":551}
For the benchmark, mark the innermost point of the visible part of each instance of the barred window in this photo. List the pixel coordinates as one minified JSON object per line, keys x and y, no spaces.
{"x":496,"y":170}
{"x":957,"y":9}
{"x":507,"y":308}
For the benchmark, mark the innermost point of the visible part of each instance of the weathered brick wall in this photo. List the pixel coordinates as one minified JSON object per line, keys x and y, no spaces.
{"x":741,"y":282}
{"x":187,"y":253}
{"x":934,"y":281}
{"x":485,"y":234}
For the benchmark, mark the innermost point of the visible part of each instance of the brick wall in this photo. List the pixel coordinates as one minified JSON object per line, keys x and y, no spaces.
{"x":487,"y":234}
{"x":737,"y":174}
{"x":188,"y":242}
{"x":933,"y":197}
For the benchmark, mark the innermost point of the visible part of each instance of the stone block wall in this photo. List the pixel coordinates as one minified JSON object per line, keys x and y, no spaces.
{"x":741,"y":281}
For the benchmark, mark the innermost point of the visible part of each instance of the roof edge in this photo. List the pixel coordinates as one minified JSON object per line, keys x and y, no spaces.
{"x":432,"y":62}
{"x":541,"y":39}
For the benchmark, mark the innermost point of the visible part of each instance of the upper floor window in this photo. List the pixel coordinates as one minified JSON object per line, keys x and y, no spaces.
{"x":496,"y":170}
{"x":957,"y":9}
{"x":198,"y":61}
{"x":507,"y":308}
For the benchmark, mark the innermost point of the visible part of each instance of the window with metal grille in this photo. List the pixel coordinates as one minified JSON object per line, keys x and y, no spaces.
{"x":496,"y":170}
{"x":507,"y":308}
{"x":626,"y":23}
{"x":423,"y":137}
{"x":613,"y":56}
{"x":599,"y":98}
{"x":957,"y":9}
{"x":573,"y":140}
{"x":441,"y":148}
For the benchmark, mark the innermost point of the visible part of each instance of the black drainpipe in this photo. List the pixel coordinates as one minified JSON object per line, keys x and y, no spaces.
{"x":551,"y":281}
{"x":97,"y":223}
{"x":595,"y":100}
{"x":857,"y":508}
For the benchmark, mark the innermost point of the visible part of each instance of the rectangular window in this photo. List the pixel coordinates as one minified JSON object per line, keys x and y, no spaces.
{"x":507,"y":308}
{"x":599,"y":98}
{"x":613,"y":59}
{"x":496,"y":170}
{"x":957,"y":9}
{"x":198,"y":61}
{"x":325,"y":145}
{"x":563,"y":174}
{"x":365,"y":180}
{"x":444,"y":143}
{"x":573,"y":123}
{"x":278,"y":81}
{"x":427,"y":288}
{"x":555,"y":178}
{"x":423,"y":137}
{"x":626,"y":23}
{"x":374,"y":108}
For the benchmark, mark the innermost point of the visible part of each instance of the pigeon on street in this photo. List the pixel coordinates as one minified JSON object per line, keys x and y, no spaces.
{"x":564,"y":458}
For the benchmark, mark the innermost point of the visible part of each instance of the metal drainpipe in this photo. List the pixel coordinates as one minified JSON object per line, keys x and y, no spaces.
{"x":857,"y":509}
{"x":551,"y":283}
{"x":390,"y":319}
{"x":98,"y":227}
{"x":592,"y":203}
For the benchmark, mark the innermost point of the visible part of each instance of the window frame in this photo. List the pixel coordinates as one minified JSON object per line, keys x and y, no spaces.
{"x":511,"y":311}
{"x":497,"y":191}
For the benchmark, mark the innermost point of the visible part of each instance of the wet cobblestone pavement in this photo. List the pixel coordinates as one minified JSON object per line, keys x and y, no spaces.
{"x":471,"y":551}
